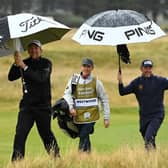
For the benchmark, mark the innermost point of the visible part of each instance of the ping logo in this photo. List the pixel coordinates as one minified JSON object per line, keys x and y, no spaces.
{"x":95,"y":35}
{"x":139,"y":32}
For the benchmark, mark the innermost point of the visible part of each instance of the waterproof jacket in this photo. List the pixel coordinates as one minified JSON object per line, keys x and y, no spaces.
{"x":100,"y":90}
{"x":149,"y":92}
{"x":37,"y":81}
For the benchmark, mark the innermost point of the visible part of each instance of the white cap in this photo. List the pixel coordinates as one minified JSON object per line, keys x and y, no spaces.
{"x":36,"y":42}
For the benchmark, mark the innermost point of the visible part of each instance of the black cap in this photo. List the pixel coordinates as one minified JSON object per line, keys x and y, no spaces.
{"x":147,"y":63}
{"x":36,"y":42}
{"x":87,"y":61}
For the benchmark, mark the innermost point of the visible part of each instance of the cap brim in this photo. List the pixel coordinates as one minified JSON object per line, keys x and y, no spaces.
{"x":87,"y":64}
{"x":34,"y":44}
{"x":148,"y":65}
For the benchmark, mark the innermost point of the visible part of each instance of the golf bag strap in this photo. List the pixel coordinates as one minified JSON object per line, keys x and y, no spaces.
{"x":74,"y":82}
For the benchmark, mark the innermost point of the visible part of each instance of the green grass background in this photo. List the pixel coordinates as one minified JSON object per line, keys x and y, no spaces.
{"x":123,"y":131}
{"x":66,"y":56}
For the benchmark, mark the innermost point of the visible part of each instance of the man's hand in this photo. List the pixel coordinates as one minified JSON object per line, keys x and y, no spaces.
{"x":18,"y":60}
{"x":106,"y":123}
{"x":119,"y":77}
{"x":73,"y":112}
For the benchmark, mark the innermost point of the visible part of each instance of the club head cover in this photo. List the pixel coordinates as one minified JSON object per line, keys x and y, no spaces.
{"x":123,"y":53}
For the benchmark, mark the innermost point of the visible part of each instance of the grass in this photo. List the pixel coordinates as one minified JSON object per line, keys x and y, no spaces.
{"x":120,"y":145}
{"x":123,"y":158}
{"x":122,"y":135}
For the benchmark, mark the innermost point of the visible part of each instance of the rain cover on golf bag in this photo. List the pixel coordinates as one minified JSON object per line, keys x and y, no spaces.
{"x":65,"y":121}
{"x":123,"y":53}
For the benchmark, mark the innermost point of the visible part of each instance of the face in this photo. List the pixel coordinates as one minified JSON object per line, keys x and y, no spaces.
{"x":146,"y":71}
{"x":34,"y":51}
{"x":86,"y":70}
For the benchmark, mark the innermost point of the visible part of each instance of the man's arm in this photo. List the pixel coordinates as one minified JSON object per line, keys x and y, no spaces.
{"x":15,"y":69}
{"x":127,"y":89}
{"x":69,"y":98}
{"x":14,"y":73}
{"x":103,"y":97}
{"x":165,"y":83}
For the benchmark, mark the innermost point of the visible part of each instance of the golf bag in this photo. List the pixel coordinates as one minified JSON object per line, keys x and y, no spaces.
{"x":61,"y":111}
{"x":65,"y":121}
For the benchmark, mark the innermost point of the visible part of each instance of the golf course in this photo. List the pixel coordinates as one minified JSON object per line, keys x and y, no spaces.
{"x":120,"y":145}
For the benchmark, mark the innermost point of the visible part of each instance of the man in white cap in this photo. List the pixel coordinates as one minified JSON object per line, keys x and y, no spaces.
{"x":35,"y":106}
{"x":149,"y":91}
{"x":82,"y":94}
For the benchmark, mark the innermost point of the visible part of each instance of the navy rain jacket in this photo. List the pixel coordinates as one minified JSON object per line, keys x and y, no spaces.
{"x":149,"y":92}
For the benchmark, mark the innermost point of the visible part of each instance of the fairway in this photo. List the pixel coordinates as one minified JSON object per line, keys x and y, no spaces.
{"x":66,"y":56}
{"x":122,"y":132}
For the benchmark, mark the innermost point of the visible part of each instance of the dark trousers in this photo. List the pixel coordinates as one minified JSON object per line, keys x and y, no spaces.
{"x":84,"y":139}
{"x":26,"y":119}
{"x":149,"y":129}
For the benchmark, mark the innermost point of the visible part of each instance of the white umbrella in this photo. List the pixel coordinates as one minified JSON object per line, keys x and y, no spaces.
{"x":116,"y":27}
{"x":16,"y":31}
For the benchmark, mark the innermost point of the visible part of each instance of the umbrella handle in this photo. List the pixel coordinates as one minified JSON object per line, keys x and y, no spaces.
{"x":17,"y":45}
{"x":119,"y":64}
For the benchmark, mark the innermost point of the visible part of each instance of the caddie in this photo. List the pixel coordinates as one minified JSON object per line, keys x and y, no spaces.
{"x":83,"y":93}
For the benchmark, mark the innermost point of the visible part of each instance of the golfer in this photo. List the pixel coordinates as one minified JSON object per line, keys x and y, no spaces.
{"x":83,"y":102}
{"x":149,"y":91}
{"x":35,"y":106}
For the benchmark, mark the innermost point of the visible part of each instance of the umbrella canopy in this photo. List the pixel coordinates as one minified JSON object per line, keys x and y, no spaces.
{"x":116,"y":27}
{"x":26,"y":27}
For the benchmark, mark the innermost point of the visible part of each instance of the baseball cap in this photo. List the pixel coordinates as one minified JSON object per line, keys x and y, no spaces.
{"x":147,"y":63}
{"x":87,"y":61}
{"x":36,"y":42}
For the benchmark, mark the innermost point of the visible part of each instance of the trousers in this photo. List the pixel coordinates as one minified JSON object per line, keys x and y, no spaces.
{"x":84,"y":139}
{"x":26,"y":120}
{"x":149,"y":129}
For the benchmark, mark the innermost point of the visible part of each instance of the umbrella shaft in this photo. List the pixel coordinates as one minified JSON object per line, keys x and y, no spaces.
{"x":23,"y":82}
{"x":119,"y":64}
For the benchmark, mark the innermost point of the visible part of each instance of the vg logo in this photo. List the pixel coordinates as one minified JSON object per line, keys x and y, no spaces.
{"x":94,"y":35}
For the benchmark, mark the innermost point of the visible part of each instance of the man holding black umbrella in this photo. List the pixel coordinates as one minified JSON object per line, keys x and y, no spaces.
{"x":149,"y":91}
{"x":35,"y":105}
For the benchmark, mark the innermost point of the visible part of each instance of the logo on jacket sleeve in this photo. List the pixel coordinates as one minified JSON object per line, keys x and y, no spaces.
{"x":140,"y":87}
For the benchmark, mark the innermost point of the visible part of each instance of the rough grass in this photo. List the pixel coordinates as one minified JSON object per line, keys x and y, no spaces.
{"x":121,"y":137}
{"x":125,"y":157}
